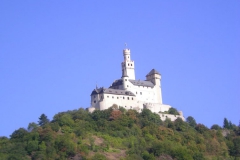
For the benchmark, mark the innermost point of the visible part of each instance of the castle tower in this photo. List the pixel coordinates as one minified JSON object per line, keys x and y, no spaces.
{"x":128,"y":65}
{"x":155,"y":77}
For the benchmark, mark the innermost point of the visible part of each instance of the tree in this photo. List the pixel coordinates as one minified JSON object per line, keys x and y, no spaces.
{"x":43,"y":120}
{"x":173,"y":111}
{"x":201,"y":128}
{"x":19,"y":134}
{"x":216,"y":127}
{"x":191,"y":121}
{"x":32,"y":126}
{"x":225,"y":123}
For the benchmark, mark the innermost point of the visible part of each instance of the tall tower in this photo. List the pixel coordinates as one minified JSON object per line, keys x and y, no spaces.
{"x":155,"y":77}
{"x":128,"y":65}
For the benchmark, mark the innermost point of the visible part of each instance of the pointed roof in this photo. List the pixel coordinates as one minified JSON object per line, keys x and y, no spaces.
{"x":153,"y":71}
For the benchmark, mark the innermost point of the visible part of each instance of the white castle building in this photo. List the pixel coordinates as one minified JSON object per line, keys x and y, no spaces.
{"x":133,"y":94}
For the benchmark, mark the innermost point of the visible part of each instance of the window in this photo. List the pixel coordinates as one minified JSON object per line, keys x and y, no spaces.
{"x":127,"y":85}
{"x":128,"y":98}
{"x":132,"y":98}
{"x":128,"y":64}
{"x":123,"y":98}
{"x":107,"y":96}
{"x":112,"y":96}
{"x":140,"y":93}
{"x":117,"y":97}
{"x":94,"y":101}
{"x":131,"y":64}
{"x":101,"y":96}
{"x":136,"y":92}
{"x":125,"y":79}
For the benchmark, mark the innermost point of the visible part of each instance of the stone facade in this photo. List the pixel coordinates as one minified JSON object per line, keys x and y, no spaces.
{"x":132,"y":94}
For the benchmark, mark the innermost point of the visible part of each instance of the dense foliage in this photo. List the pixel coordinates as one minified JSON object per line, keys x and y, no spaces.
{"x":120,"y":134}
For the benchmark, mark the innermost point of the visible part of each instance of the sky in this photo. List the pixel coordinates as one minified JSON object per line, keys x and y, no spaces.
{"x":53,"y":53}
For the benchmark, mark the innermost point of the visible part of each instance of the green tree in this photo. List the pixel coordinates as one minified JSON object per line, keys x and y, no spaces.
{"x":19,"y":134}
{"x":32,"y":126}
{"x":201,"y":128}
{"x":43,"y":120}
{"x":191,"y":121}
{"x":32,"y":146}
{"x":216,"y":127}
{"x":236,"y":149}
{"x":173,"y":111}
{"x":225,"y":123}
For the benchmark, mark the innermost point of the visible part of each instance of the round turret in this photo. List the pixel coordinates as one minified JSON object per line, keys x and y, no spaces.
{"x":126,"y":54}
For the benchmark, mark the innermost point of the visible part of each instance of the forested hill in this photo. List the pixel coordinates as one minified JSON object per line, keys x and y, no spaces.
{"x":120,"y":134}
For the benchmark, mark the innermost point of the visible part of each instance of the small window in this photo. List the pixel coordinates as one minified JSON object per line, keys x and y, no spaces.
{"x":112,"y":96}
{"x":136,"y":92}
{"x":125,"y":106}
{"x":125,"y":79}
{"x":128,"y":64}
{"x":140,"y":93}
{"x":107,"y":96}
{"x":127,"y":85}
{"x":132,"y":98}
{"x":117,"y":97}
{"x":101,"y":96}
{"x":128,"y":98}
{"x":131,"y":64}
{"x":123,"y":98}
{"x":94,"y":101}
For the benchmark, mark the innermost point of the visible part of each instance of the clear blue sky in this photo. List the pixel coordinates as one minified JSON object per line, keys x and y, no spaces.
{"x":52,"y":53}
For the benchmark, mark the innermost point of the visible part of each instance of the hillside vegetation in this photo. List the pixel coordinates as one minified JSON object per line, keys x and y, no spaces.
{"x":120,"y":134}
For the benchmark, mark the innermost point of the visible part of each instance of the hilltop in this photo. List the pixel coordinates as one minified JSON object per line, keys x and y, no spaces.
{"x":120,"y":134}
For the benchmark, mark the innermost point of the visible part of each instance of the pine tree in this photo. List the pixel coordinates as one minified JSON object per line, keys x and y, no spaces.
{"x":225,"y":123}
{"x":43,"y":120}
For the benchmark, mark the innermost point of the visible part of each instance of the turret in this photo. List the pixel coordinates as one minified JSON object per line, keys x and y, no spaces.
{"x":128,"y":65}
{"x":155,"y":77}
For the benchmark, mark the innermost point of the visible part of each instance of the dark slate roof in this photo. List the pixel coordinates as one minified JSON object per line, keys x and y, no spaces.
{"x":117,"y":83}
{"x":141,"y":83}
{"x":153,"y":71}
{"x":112,"y":91}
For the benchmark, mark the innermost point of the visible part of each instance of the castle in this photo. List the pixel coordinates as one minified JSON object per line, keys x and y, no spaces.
{"x":133,"y":94}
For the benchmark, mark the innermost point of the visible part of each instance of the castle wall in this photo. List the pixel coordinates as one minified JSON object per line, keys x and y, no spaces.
{"x":171,"y":117}
{"x":145,"y":94}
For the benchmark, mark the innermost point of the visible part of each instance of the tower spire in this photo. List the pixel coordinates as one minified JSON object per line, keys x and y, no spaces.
{"x":127,"y":64}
